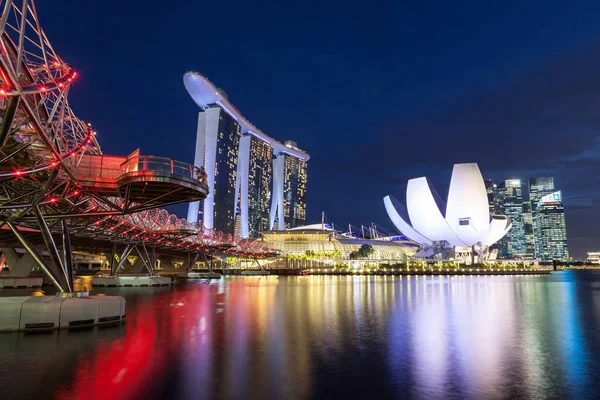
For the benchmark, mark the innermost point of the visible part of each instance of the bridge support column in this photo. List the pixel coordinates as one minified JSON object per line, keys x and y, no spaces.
{"x":37,"y":257}
{"x":20,"y":265}
{"x":122,"y":259}
{"x":56,"y":263}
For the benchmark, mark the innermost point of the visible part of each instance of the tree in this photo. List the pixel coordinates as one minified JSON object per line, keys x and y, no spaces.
{"x":365,"y":250}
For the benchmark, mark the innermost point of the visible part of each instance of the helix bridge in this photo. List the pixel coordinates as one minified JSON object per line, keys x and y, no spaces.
{"x":60,"y":191}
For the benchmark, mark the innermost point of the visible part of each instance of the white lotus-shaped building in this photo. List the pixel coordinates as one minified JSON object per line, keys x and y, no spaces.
{"x":464,"y":222}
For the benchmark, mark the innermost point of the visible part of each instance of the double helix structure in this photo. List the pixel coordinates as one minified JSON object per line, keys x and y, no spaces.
{"x":59,"y":190}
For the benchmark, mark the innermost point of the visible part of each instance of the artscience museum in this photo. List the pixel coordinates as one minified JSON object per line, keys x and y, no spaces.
{"x":461,"y":227}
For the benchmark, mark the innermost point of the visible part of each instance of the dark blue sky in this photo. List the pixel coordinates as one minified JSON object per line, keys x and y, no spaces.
{"x":376,"y":92}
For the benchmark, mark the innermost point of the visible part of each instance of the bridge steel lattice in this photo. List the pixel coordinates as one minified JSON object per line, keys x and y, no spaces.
{"x":56,"y":184}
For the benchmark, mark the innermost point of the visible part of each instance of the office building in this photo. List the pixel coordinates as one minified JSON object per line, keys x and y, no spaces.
{"x":550,"y":229}
{"x":528,"y":229}
{"x":513,"y":244}
{"x":491,"y":189}
{"x":548,"y":220}
{"x":247,"y":170}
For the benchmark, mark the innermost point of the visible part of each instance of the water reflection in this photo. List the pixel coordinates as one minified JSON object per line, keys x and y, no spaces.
{"x":300,"y":337}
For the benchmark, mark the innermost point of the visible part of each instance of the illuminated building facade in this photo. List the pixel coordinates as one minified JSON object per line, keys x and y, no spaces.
{"x":491,"y":188}
{"x":528,"y":229}
{"x":260,"y":181}
{"x":218,"y":141}
{"x":462,"y":223}
{"x":294,"y":192}
{"x":513,"y":244}
{"x":322,"y":239}
{"x":539,"y":188}
{"x":593,"y":257}
{"x":551,"y":231}
{"x":247,"y":170}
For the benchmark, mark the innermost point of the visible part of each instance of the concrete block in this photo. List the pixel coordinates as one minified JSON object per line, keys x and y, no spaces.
{"x":41,"y":313}
{"x":10,"y":312}
{"x":143,"y":281}
{"x":27,"y":282}
{"x":159,"y":280}
{"x":75,"y":312}
{"x":7,"y":282}
{"x":128,"y":281}
{"x":110,"y":308}
{"x":105,"y":281}
{"x":36,"y":282}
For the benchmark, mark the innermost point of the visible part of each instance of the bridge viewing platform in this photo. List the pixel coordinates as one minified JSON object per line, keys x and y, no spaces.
{"x":146,"y":180}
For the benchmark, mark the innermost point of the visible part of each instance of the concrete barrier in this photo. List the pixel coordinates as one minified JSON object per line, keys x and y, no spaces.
{"x":142,"y":281}
{"x":159,"y":280}
{"x":34,"y":313}
{"x":20,"y":282}
{"x":7,"y":282}
{"x":110,"y":308}
{"x":79,"y":312}
{"x":105,"y":281}
{"x":128,"y":281}
{"x":10,"y":312}
{"x":41,"y":312}
{"x":134,"y":281}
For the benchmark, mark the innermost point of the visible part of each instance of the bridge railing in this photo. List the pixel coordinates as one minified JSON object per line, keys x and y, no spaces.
{"x":107,"y":168}
{"x":139,"y":163}
{"x":99,"y":167}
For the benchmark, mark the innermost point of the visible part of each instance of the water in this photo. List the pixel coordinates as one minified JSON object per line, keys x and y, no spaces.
{"x":326,"y":337}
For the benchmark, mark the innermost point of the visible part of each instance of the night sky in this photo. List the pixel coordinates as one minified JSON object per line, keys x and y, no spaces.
{"x":376,"y":92}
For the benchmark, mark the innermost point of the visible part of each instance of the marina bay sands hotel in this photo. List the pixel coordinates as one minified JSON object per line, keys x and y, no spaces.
{"x":256,"y":183}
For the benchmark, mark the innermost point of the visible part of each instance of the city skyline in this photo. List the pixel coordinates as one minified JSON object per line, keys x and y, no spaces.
{"x":538,"y":219}
{"x":517,"y":101}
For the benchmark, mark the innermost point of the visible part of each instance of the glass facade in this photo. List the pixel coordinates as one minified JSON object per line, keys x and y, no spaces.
{"x":228,"y":141}
{"x":260,"y":181}
{"x":528,"y":229}
{"x":513,"y":244}
{"x":294,"y":192}
{"x":538,"y":188}
{"x":491,"y":188}
{"x":551,"y":228}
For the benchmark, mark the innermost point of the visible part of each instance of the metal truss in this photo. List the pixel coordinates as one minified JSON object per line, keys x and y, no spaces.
{"x":55,"y":179}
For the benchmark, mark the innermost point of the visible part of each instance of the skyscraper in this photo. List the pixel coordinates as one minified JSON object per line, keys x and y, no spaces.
{"x":491,"y":189}
{"x":218,"y":140}
{"x":538,"y":188}
{"x":551,"y":232}
{"x":528,"y":229}
{"x":294,"y":192}
{"x":246,"y":169}
{"x":513,"y":244}
{"x":260,"y":181}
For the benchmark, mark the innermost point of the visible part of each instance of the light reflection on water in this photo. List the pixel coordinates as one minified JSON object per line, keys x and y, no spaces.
{"x":318,"y":336}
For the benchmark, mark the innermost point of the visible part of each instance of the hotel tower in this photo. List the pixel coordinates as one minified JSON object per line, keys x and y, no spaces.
{"x":255,"y":182}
